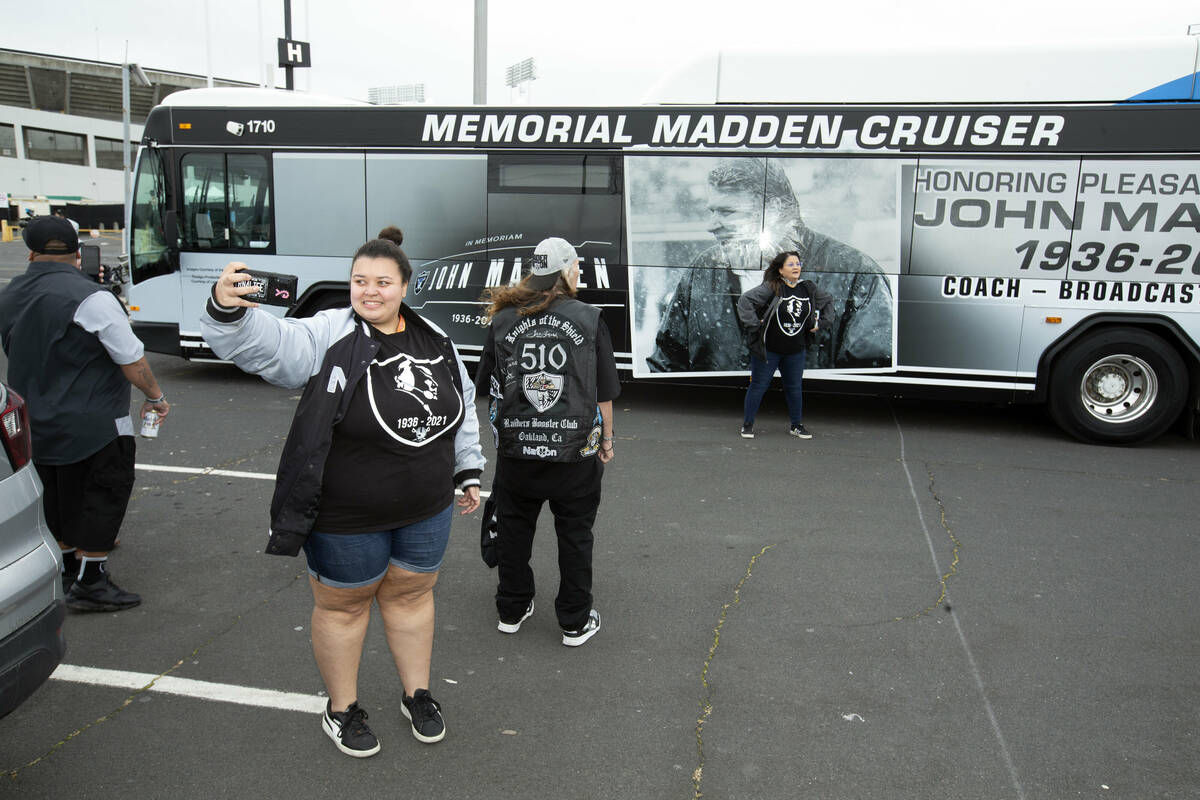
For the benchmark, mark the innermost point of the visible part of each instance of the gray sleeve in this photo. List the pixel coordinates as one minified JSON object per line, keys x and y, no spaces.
{"x":285,"y":352}
{"x":101,"y":314}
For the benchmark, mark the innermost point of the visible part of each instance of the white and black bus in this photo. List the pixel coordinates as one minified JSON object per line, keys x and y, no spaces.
{"x":1023,"y":225}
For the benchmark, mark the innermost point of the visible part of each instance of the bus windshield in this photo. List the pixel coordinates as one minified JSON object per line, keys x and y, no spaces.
{"x":149,"y":254}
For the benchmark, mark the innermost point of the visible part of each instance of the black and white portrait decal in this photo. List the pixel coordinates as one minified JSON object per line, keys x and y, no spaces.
{"x":702,"y":230}
{"x":414,"y":399}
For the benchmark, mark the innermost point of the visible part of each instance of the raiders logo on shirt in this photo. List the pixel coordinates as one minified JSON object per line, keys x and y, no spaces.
{"x":413,"y":399}
{"x":792,"y":314}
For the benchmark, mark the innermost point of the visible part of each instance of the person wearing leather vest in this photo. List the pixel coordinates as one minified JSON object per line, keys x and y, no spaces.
{"x":549,"y":370}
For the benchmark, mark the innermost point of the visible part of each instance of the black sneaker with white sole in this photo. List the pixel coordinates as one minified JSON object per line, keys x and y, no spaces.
{"x":103,"y":595}
{"x":349,"y":731}
{"x":800,"y":431}
{"x":513,"y":627}
{"x":747,"y":431}
{"x":425,"y":714}
{"x":576,"y":638}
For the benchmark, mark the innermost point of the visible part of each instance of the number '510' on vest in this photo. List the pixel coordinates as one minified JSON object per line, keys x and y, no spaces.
{"x":545,"y":382}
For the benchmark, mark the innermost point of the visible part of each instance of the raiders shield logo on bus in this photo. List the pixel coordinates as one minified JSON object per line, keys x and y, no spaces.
{"x":422,"y":279}
{"x":542,"y":389}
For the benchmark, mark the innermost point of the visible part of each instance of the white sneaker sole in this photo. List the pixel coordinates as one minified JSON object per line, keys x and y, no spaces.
{"x":575,"y":641}
{"x":331,"y":730}
{"x":513,"y":627}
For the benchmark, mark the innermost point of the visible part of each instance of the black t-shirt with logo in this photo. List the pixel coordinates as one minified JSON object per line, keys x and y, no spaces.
{"x":392,"y":455}
{"x":792,"y":317}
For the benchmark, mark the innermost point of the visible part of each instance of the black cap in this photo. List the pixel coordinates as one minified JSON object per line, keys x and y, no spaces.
{"x":51,"y":236}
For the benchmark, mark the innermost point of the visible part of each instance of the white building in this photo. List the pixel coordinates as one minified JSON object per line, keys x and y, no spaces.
{"x":61,"y":128}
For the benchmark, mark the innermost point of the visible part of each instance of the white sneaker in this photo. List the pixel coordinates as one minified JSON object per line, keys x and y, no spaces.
{"x":513,"y":627}
{"x":576,"y":638}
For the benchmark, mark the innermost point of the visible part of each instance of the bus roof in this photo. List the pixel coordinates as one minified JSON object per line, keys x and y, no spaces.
{"x":1143,"y":70}
{"x":225,"y":97}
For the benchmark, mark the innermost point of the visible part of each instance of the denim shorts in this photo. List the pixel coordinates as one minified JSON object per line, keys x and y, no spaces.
{"x":350,"y":560}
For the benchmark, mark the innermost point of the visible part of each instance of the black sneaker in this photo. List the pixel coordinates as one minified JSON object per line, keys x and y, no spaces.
{"x":576,"y":638}
{"x":103,"y":595}
{"x":349,"y":731}
{"x":513,"y":627}
{"x":425,"y":714}
{"x":800,"y":431}
{"x":747,"y":431}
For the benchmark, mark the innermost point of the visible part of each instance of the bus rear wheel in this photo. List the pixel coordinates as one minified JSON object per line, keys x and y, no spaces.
{"x":323,"y":302}
{"x":1118,"y":386}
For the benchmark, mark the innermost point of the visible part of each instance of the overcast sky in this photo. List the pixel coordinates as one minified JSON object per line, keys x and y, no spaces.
{"x":606,"y":52}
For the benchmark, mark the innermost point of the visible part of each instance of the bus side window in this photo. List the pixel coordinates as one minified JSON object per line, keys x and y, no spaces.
{"x":249,"y":193}
{"x":226,"y":202}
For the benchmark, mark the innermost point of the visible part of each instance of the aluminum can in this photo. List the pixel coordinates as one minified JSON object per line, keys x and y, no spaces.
{"x":150,"y":423}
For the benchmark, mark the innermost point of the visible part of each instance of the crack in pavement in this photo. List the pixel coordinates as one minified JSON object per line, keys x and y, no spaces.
{"x":706,"y":703}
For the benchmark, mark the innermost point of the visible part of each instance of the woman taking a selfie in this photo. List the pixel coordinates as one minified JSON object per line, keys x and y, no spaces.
{"x":383,"y":432}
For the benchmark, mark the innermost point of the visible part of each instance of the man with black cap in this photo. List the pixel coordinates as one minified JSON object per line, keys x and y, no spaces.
{"x":549,"y":368}
{"x":73,"y":355}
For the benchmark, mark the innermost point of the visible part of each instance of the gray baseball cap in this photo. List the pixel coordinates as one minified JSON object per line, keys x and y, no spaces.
{"x":551,"y":258}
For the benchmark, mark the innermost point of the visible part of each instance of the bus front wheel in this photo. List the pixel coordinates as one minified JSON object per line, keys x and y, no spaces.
{"x":1118,"y":386}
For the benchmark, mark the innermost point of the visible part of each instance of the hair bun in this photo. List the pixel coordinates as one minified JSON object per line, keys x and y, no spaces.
{"x":392,"y":234}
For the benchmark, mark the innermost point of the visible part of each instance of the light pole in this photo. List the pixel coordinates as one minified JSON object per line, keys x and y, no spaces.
{"x":127,"y":70}
{"x":480,"y":93}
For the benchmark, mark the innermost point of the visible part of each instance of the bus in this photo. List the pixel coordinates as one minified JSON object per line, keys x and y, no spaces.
{"x":1015,"y":224}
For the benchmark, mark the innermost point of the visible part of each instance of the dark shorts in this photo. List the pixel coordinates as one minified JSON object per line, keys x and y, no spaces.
{"x":350,"y":560}
{"x":85,"y":502}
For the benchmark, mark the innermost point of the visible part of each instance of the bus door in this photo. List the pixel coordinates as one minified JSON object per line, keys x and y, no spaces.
{"x":225,"y":214}
{"x":153,"y":289}
{"x":575,"y":196}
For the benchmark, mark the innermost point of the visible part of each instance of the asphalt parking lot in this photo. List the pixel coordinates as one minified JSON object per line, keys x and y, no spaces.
{"x":925,"y":600}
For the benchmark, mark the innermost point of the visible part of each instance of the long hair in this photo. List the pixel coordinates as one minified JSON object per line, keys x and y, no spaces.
{"x":527,"y":301}
{"x":771,"y":274}
{"x":387,"y":246}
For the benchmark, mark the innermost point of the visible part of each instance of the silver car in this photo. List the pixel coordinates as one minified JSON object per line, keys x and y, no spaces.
{"x":31,"y":593}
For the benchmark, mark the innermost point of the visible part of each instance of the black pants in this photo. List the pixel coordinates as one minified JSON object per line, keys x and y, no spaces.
{"x":573,"y":491}
{"x":85,"y":502}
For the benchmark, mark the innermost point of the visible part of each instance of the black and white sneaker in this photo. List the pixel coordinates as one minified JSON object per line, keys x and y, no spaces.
{"x":425,"y":714}
{"x":103,"y":595}
{"x":800,"y":431}
{"x":349,"y":731}
{"x":747,"y":431}
{"x":513,"y":627}
{"x":576,"y":638}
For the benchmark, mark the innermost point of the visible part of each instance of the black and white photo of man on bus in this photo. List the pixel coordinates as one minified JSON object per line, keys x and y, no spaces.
{"x":699,"y":330}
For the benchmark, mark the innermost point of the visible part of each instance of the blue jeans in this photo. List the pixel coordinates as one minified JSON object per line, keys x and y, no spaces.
{"x":761,"y":372}
{"x":350,"y":560}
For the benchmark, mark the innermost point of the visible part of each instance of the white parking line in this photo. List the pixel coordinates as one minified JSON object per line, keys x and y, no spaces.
{"x":185,"y":687}
{"x":229,"y":473}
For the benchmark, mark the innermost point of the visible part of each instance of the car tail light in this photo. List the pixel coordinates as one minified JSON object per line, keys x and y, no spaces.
{"x":15,"y":427}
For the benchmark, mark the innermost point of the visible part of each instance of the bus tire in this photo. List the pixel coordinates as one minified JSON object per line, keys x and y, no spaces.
{"x":1119,"y":386}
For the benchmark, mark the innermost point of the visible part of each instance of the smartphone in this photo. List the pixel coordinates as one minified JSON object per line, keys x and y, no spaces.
{"x":89,"y":261}
{"x":272,"y":288}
